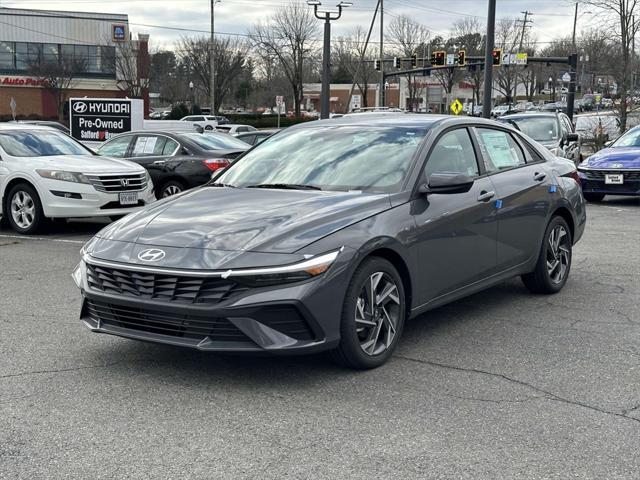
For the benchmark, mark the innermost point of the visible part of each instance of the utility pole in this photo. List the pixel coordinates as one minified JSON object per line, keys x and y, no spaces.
{"x":212,"y":60}
{"x":575,"y":23}
{"x":327,"y":16}
{"x":525,"y":23}
{"x":381,"y":86}
{"x":361,"y":62}
{"x":488,"y":59}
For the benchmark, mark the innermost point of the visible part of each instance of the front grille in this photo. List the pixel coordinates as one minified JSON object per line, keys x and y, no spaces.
{"x":629,"y":175}
{"x":162,"y":287}
{"x":163,"y":323}
{"x":119,"y":183}
{"x":600,"y":186}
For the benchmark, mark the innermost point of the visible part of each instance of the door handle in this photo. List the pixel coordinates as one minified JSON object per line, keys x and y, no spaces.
{"x":486,"y":196}
{"x":538,"y":177}
{"x":159,"y":162}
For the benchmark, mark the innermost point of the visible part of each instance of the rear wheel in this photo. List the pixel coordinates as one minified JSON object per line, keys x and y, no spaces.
{"x":593,"y":197}
{"x":172,"y":187}
{"x":24,"y":210}
{"x":554,"y":261}
{"x":372,"y":316}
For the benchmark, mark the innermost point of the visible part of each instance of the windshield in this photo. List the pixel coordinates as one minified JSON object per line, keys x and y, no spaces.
{"x":211,"y":141}
{"x":629,"y":139}
{"x":331,"y":158}
{"x":39,"y":143}
{"x":541,"y":129}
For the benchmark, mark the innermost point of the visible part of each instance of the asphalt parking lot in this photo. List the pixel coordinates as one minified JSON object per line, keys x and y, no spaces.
{"x":503,"y":384}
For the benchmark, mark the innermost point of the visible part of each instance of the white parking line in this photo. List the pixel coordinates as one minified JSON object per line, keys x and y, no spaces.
{"x":60,"y":240}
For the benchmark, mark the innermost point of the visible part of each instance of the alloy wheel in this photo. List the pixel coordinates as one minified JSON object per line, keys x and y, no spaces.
{"x":377,"y":313}
{"x":558,"y":254}
{"x":171,"y":190}
{"x":23,"y":209}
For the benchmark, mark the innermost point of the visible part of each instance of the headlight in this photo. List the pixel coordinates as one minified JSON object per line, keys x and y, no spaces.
{"x":78,"y":274}
{"x":63,"y":176}
{"x":297,"y":272}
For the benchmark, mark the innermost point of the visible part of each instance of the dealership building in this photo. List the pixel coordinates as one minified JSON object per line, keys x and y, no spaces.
{"x":93,"y":42}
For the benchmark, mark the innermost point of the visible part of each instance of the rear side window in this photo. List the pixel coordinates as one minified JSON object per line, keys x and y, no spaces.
{"x":148,"y":146}
{"x":499,"y":149}
{"x":170,"y":146}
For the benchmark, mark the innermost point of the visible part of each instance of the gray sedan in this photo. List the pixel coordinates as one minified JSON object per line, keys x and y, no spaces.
{"x":332,"y":234}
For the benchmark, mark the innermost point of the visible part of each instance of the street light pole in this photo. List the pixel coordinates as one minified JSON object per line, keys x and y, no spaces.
{"x":381,"y":87}
{"x":327,"y":16}
{"x":488,"y":59}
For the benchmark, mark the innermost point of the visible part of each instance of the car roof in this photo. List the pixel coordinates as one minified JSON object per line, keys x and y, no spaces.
{"x":395,"y":120}
{"x":25,"y":126}
{"x":530,"y":115}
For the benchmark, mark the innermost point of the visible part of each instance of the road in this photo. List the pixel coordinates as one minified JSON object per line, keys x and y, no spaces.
{"x":503,"y":384}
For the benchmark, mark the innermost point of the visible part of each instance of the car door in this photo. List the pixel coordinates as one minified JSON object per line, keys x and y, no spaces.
{"x":523,"y":182}
{"x":456,"y":232}
{"x":154,"y":152}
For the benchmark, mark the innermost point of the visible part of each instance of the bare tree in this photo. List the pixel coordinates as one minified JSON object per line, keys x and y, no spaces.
{"x":507,"y":39}
{"x":466,"y":34}
{"x":349,"y":53}
{"x":132,"y":76}
{"x":230,"y":59}
{"x":409,"y":37}
{"x":58,"y":75}
{"x":621,"y":17}
{"x":287,"y":36}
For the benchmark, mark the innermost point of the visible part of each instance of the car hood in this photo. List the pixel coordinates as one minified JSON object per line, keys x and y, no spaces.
{"x":629,"y":157}
{"x":245,"y":219}
{"x":88,"y":164}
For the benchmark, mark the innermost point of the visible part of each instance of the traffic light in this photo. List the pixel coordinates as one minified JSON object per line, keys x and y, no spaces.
{"x":414,"y":60}
{"x":440,"y":58}
{"x":376,"y":65}
{"x":433,"y":59}
{"x":462,"y":60}
{"x":497,"y":57}
{"x":397,"y":62}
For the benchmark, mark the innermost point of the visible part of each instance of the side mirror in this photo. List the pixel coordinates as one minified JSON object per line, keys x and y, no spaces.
{"x":572,"y":137}
{"x":447,"y":183}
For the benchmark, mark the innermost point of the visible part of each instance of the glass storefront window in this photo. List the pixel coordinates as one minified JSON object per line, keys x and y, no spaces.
{"x":22,"y":57}
{"x":6,"y":55}
{"x":50,"y":53}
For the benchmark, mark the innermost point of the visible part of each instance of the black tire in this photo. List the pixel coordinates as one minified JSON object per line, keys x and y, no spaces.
{"x":38,"y":220}
{"x":351,"y":350}
{"x":542,"y":280}
{"x":593,"y":197}
{"x":172,"y":187}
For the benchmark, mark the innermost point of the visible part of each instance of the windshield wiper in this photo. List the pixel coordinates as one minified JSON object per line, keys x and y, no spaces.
{"x":288,"y":186}
{"x":216,"y":184}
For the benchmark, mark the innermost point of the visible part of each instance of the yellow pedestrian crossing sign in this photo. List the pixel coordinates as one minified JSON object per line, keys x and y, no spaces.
{"x":456,"y":107}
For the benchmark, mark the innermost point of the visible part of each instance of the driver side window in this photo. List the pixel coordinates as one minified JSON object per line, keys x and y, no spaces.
{"x":453,"y":153}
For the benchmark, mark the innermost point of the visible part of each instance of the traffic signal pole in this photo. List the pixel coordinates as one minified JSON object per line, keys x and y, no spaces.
{"x":488,"y":60}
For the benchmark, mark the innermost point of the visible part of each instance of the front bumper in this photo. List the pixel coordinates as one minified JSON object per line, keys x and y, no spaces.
{"x":594,"y":183}
{"x":92,"y":203}
{"x":294,"y":318}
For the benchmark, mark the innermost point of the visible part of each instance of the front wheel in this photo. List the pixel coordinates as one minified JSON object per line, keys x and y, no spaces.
{"x":372,"y":316}
{"x":593,"y":197}
{"x":24,"y":210}
{"x":554,"y":260}
{"x":172,"y":187}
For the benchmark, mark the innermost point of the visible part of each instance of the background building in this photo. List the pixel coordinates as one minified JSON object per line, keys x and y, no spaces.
{"x":94,"y":52}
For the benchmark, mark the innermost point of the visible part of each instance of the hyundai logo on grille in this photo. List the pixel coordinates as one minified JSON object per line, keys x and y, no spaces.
{"x":616,"y":165}
{"x":151,"y":255}
{"x":79,"y":107}
{"x":124,"y":182}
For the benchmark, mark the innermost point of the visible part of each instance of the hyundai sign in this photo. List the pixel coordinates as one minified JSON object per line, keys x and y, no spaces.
{"x":99,"y":119}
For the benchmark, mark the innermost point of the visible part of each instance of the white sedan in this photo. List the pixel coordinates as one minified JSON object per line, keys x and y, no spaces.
{"x":235,"y":129}
{"x":206,"y":122}
{"x":47,"y":174}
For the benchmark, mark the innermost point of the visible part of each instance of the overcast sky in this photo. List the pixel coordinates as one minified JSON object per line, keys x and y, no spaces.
{"x":163,"y":18}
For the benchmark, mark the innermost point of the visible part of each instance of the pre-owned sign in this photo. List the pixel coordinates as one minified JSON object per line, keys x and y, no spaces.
{"x":99,"y":119}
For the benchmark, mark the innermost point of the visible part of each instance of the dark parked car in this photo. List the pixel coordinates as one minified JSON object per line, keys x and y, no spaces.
{"x":176,"y":161}
{"x":614,"y":170}
{"x":332,"y":234}
{"x":254,"y":138}
{"x":553,"y":130}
